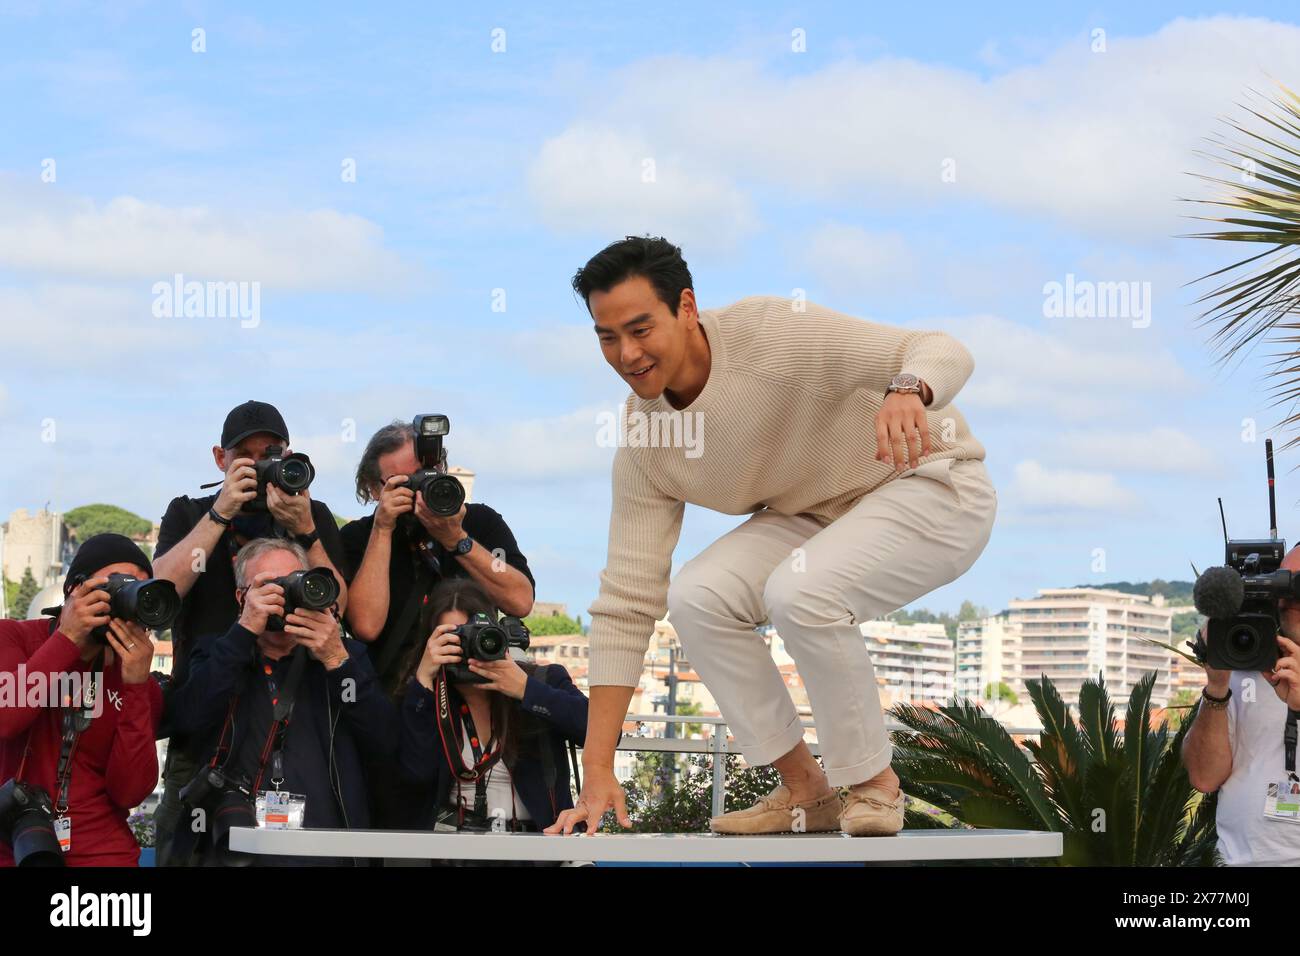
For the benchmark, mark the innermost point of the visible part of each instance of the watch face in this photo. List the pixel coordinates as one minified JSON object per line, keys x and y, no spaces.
{"x":905,"y":380}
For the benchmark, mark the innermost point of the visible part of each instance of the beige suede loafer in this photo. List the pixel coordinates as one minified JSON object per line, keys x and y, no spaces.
{"x":775,"y":813}
{"x":871,"y":812}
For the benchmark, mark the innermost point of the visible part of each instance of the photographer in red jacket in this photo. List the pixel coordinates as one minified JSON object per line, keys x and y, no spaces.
{"x":93,"y":757}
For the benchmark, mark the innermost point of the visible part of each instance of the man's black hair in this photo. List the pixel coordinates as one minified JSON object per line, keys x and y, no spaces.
{"x":655,"y":258}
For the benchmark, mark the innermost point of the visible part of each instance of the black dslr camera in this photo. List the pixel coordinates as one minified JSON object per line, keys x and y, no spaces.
{"x":27,"y":825}
{"x":1241,"y":598}
{"x":153,"y":602}
{"x":483,"y":640}
{"x":443,"y":493}
{"x":316,"y":590}
{"x":228,"y":801}
{"x":292,"y":474}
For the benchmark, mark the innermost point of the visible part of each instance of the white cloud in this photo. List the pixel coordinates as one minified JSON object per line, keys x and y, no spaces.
{"x":1159,"y":450}
{"x":1097,"y":140}
{"x":45,"y":231}
{"x":545,"y":448}
{"x":1061,"y":373}
{"x":593,"y":180}
{"x":1037,"y":488}
{"x":859,"y":261}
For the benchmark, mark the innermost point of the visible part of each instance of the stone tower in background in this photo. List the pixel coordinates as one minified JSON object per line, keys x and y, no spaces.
{"x":35,"y":541}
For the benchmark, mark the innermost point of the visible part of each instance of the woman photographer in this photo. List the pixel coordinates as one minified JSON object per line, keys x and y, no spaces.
{"x":85,"y":762}
{"x":499,"y":758}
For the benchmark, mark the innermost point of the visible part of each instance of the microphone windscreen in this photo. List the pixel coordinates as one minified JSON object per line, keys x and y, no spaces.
{"x":1219,"y":592}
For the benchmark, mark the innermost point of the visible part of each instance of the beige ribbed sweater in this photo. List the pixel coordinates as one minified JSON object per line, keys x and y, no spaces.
{"x":786,"y":421}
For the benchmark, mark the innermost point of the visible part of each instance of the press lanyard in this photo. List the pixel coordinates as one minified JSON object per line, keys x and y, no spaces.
{"x":282,"y":700}
{"x":1289,"y":741}
{"x":76,"y":721}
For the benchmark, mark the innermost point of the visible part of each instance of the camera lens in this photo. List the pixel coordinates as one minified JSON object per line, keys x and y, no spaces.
{"x":156,"y":604}
{"x":316,"y":590}
{"x":444,"y":495}
{"x":491,"y":641}
{"x":34,"y":840}
{"x":294,"y":475}
{"x":1242,"y":645}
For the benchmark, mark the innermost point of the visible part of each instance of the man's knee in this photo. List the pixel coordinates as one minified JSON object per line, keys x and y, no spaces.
{"x":691,"y":596}
{"x":793,"y":598}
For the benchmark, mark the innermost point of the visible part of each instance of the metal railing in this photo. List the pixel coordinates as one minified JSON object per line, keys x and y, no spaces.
{"x":717,"y":744}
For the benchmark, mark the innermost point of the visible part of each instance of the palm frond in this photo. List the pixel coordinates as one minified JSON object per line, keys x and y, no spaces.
{"x":1262,"y":303}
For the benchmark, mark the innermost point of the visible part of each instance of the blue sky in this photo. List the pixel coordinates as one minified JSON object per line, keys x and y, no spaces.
{"x":479,"y":171}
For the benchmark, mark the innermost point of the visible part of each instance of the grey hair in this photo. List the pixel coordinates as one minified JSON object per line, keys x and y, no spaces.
{"x":388,"y":439}
{"x":260,"y":546}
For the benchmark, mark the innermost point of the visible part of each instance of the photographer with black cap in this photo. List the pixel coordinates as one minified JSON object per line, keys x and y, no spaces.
{"x":199,"y":538}
{"x":285,"y":707}
{"x":78,"y":720}
{"x":399,"y":554}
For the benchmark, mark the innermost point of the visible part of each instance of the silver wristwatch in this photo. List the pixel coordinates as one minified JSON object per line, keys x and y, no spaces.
{"x":904,"y":382}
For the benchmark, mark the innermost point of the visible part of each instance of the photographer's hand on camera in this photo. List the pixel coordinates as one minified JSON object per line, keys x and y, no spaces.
{"x":291,"y":512}
{"x":239,"y":488}
{"x":319,"y":632}
{"x":447,"y":531}
{"x":1285,"y":677}
{"x":133,"y":647}
{"x":442,"y":647}
{"x":395,"y":500}
{"x":261,"y":601}
{"x":85,"y":609}
{"x":1216,"y":681}
{"x":504,"y":676}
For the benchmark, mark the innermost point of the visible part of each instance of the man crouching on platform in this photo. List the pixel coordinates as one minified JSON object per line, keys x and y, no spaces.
{"x":843,"y":528}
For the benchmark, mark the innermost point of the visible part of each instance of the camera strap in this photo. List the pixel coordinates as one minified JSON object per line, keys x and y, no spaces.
{"x":451,"y":730}
{"x":282,"y":701}
{"x":1289,"y":736}
{"x":76,"y":721}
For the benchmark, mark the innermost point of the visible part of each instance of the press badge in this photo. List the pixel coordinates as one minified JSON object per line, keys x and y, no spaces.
{"x":280,"y":810}
{"x":63,"y":831}
{"x":1282,"y":801}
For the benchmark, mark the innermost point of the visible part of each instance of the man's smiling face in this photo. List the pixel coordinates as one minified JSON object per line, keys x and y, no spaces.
{"x":639,"y":335}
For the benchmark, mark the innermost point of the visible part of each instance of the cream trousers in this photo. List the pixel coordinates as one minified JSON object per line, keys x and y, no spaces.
{"x":815,"y":583}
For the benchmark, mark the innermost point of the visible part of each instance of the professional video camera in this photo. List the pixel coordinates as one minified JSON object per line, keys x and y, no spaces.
{"x":443,"y":493}
{"x":27,"y":825}
{"x":1241,"y":599}
{"x":316,"y":590}
{"x":153,"y":602}
{"x":482,"y":640}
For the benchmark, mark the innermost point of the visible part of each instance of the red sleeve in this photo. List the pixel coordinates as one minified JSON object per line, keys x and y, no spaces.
{"x":132,"y":771}
{"x":56,"y":655}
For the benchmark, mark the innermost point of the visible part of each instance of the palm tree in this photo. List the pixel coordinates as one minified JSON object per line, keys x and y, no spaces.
{"x":1258,"y":298}
{"x":1118,"y":797}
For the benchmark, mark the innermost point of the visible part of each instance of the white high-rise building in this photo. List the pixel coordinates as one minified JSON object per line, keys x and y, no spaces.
{"x":913,"y":662}
{"x":988,"y":652}
{"x":1071,"y":634}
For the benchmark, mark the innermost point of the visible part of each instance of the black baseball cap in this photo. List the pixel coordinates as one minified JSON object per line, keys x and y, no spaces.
{"x":249,"y":419}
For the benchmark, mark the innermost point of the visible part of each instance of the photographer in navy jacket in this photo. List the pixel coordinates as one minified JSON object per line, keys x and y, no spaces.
{"x":513,"y":731}
{"x":338,"y":711}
